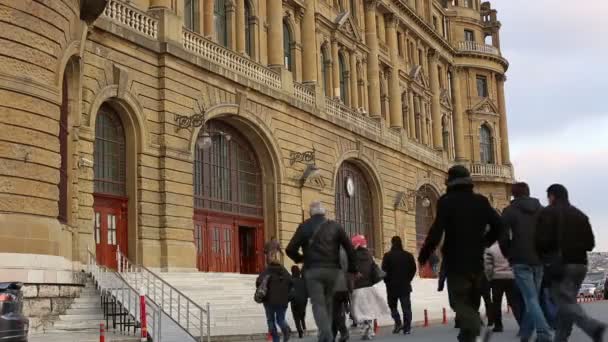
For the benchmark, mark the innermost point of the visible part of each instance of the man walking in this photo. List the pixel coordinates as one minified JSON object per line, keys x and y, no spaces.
{"x":519,"y":220}
{"x":565,"y":233}
{"x":462,"y":219}
{"x":320,"y":240}
{"x":400,"y":268}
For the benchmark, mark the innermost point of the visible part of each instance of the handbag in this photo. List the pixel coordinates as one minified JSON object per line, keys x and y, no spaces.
{"x":262,"y":291}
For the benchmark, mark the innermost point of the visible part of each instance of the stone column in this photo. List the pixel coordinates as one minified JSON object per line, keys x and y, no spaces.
{"x":231,"y":24}
{"x":411,"y":114}
{"x":297,"y":69}
{"x":436,"y":101}
{"x":381,"y":28}
{"x":354,"y":77}
{"x":275,"y":33}
{"x":208,"y":29}
{"x":394,"y":89}
{"x":504,"y":130}
{"x":240,"y":26}
{"x":458,"y":116}
{"x":373,"y":67}
{"x":335,"y":59}
{"x":365,"y":93}
{"x":309,"y":44}
{"x":154,"y":4}
{"x":423,"y":123}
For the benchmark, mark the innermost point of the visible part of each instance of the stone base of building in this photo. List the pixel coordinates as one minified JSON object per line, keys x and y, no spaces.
{"x":44,"y":303}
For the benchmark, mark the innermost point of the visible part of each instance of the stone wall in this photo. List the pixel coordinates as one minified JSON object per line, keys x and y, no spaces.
{"x":43,"y":303}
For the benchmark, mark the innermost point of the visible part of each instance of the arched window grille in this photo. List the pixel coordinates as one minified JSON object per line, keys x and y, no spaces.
{"x":486,"y":142}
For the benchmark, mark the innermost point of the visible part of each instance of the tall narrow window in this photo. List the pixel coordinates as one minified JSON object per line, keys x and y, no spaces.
{"x":110,"y":156}
{"x":325,"y":72}
{"x":486,"y":145}
{"x":249,"y":38}
{"x":435,"y":23}
{"x":287,"y":42}
{"x":63,"y":151}
{"x":482,"y":86}
{"x":400,"y":43}
{"x":343,"y":81}
{"x":469,"y":36}
{"x":219,"y":16}
{"x":467,"y":3}
{"x":191,"y":15}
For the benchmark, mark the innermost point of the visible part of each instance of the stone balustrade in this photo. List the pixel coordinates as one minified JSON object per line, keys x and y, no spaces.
{"x":469,"y":46}
{"x":304,"y":93}
{"x":230,"y":60}
{"x":425,"y":152}
{"x":125,"y":15}
{"x":491,"y":170}
{"x":344,"y":113}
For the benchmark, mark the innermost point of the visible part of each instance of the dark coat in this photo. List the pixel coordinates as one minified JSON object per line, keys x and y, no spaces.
{"x":463,"y":217}
{"x":564,"y":228}
{"x":365,"y":264}
{"x":400,"y":268}
{"x":519,"y":220}
{"x":279,"y":285}
{"x":324,"y":252}
{"x":299,"y":292}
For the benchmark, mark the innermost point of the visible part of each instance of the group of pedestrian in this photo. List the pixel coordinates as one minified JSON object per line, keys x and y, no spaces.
{"x":484,"y":255}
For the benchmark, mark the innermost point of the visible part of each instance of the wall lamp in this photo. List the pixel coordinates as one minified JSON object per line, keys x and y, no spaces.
{"x":199,"y":119}
{"x":426,"y":202}
{"x":311,"y":171}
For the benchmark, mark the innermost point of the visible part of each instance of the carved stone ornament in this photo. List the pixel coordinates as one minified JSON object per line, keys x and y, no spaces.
{"x":315,"y":182}
{"x":485,"y":106}
{"x":90,"y":10}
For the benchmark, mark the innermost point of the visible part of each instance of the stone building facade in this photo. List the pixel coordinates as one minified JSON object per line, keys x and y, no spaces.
{"x":186,"y":133}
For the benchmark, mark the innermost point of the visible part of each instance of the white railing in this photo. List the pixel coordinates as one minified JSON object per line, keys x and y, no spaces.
{"x":491,"y":170}
{"x":346,"y":114}
{"x":424,"y":152}
{"x":190,"y":316}
{"x":304,"y":93}
{"x":230,"y":60}
{"x":478,"y":47}
{"x":125,"y":15}
{"x":110,"y":283}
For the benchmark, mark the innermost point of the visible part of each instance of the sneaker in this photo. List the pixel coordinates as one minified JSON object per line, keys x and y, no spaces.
{"x":498,"y":328}
{"x":398,"y":327}
{"x":486,"y":335}
{"x":599,"y":334}
{"x":407,"y":332}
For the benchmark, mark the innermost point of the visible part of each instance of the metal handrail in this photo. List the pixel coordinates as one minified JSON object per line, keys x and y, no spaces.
{"x":190,"y":316}
{"x":113,"y":284}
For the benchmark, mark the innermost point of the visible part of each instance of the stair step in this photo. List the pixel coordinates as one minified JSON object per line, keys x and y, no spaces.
{"x":93,"y":310}
{"x":78,"y":325}
{"x":85,"y":317}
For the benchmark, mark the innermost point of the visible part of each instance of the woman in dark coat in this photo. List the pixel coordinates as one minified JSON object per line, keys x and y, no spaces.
{"x":277,"y":297}
{"x":299,"y":300}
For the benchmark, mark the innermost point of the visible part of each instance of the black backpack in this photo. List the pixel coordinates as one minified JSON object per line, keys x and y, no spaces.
{"x":262,"y":290}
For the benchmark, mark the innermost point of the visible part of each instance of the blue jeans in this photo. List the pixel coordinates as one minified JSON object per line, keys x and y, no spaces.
{"x":275,"y":315}
{"x":528,"y":279}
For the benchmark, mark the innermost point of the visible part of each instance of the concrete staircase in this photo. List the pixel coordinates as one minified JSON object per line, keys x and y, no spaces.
{"x":84,"y":314}
{"x":233,"y":311}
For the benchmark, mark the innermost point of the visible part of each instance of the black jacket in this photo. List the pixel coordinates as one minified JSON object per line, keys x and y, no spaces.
{"x":519,"y":220}
{"x":365,"y":264}
{"x":279,"y":284}
{"x":562,"y":227}
{"x":400,"y":268}
{"x":463,"y":217}
{"x":324,"y":252}
{"x":299,"y":293}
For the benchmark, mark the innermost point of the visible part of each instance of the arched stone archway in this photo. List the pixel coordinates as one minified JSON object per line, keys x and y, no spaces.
{"x":426,"y":210}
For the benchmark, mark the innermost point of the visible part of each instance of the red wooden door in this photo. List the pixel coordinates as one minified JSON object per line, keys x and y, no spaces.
{"x":221,"y":242}
{"x":247,"y":250}
{"x":109,"y":229}
{"x":259,"y":248}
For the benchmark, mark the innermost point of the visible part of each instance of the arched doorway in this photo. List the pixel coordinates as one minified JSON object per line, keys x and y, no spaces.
{"x":426,"y":208}
{"x":354,"y":204}
{"x":228,"y":202}
{"x":110,"y":191}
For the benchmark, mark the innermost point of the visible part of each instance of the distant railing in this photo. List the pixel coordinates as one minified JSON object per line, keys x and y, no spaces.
{"x":478,"y":47}
{"x":126,"y":15}
{"x":304,"y":93}
{"x":344,"y":113}
{"x":229,"y":59}
{"x":491,"y":170}
{"x":424,"y":151}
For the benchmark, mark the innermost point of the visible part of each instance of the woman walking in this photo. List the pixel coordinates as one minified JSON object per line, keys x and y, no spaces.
{"x":278,"y":284}
{"x":367,"y":303}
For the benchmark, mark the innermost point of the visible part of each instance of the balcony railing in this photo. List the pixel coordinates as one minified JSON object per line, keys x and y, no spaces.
{"x":344,"y":113}
{"x":125,"y":15}
{"x":230,"y":60}
{"x":304,"y":93}
{"x":469,"y":46}
{"x":491,"y":170}
{"x":424,"y":152}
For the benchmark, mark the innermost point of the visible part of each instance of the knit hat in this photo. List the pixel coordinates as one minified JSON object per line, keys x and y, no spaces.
{"x":359,"y":241}
{"x":459,"y":175}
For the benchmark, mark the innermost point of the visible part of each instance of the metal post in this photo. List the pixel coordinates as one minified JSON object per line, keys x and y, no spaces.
{"x":208,"y":322}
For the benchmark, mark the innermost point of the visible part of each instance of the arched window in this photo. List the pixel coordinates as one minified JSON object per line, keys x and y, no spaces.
{"x":219,"y":16}
{"x":445,"y":130}
{"x":343,"y":80}
{"x":191,"y":15}
{"x":110,"y":158}
{"x":354,"y":202}
{"x":63,"y":151}
{"x":325,"y":72}
{"x":249,"y":31}
{"x":287,"y":42}
{"x":486,"y":142}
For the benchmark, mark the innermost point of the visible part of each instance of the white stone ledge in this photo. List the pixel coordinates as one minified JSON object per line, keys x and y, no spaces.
{"x":35,"y":268}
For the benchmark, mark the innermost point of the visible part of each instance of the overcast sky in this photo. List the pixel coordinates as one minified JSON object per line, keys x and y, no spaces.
{"x":557,"y":98}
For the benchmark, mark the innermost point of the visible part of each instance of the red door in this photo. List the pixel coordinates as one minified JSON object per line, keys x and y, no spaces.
{"x":222,"y":256}
{"x":109,"y":229}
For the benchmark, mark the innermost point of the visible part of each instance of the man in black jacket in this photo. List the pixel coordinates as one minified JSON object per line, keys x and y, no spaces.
{"x":462,"y":220}
{"x":320,"y":240}
{"x":565,"y":233}
{"x":400,"y":268}
{"x":518,"y":246}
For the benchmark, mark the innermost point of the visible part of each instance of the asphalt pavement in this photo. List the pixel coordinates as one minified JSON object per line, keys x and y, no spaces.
{"x":440,"y":333}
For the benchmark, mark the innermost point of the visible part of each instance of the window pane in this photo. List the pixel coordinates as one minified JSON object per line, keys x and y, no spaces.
{"x":287,"y":47}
